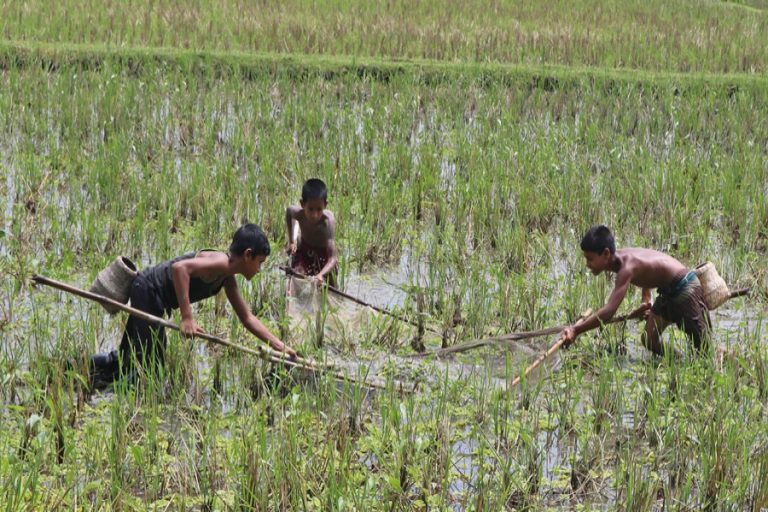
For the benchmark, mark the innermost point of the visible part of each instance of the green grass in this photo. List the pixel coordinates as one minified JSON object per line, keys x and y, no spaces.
{"x":249,"y":64}
{"x":682,"y":36}
{"x":148,"y":162}
{"x":475,"y":174}
{"x":645,"y":157}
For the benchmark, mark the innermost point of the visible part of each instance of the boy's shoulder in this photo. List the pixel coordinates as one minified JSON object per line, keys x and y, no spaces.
{"x":640,"y":252}
{"x":634,"y":259}
{"x":328,"y":223}
{"x":645,"y":253}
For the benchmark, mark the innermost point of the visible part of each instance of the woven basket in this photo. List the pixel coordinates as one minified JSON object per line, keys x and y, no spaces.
{"x":115,"y":282}
{"x":716,"y":292}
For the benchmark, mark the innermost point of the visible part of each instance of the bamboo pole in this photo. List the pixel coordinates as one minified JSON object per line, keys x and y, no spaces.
{"x":525,"y":335}
{"x":294,"y":273}
{"x":552,"y":350}
{"x":584,"y":316}
{"x":262,"y":352}
{"x":513,"y":336}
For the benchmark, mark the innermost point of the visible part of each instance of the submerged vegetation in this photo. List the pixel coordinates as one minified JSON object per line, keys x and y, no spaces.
{"x":467,"y":186}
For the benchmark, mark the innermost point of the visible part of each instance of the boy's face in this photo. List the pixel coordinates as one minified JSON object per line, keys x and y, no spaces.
{"x":313,"y":209}
{"x":252,"y":264}
{"x":597,"y":262}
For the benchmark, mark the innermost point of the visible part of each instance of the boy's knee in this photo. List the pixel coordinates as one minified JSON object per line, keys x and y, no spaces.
{"x":699,"y":332}
{"x":700,"y":340}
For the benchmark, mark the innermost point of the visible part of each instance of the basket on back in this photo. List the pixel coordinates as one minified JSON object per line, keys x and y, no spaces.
{"x":115,"y":282}
{"x":716,"y":292}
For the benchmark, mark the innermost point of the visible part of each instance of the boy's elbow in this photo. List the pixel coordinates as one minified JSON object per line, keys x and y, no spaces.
{"x":607,"y":313}
{"x":244,"y":316}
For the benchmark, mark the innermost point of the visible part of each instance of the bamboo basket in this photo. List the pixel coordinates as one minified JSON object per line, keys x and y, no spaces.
{"x":716,"y":292}
{"x":115,"y":282}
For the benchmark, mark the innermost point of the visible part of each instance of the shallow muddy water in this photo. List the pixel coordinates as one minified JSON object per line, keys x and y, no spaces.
{"x":495,"y":365}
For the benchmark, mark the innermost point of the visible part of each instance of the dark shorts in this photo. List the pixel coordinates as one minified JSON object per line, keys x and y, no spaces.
{"x":140,"y":338}
{"x":311,"y":260}
{"x":683,"y":303}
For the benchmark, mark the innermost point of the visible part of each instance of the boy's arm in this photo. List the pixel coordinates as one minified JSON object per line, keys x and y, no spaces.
{"x":248,"y":319}
{"x":182,"y":271}
{"x":332,"y":254}
{"x":330,"y":264}
{"x":603,"y":314}
{"x":290,"y":216}
{"x":645,"y":305}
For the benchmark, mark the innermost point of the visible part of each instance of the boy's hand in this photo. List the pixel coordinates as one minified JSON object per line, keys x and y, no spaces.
{"x":290,"y":248}
{"x":568,"y":335}
{"x":641,"y":311}
{"x":189,"y":328}
{"x":282,"y":347}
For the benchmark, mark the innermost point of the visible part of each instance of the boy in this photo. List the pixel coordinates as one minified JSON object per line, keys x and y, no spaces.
{"x":178,"y":283}
{"x":315,"y":254}
{"x":680,"y":296}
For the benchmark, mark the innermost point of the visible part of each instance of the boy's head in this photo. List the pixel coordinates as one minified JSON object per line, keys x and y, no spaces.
{"x":598,"y":247}
{"x":314,"y":198}
{"x":250,"y":243}
{"x":314,"y":189}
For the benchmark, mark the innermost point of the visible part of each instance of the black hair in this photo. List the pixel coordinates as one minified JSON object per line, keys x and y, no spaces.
{"x":598,"y":239}
{"x":249,"y":236}
{"x":314,"y":189}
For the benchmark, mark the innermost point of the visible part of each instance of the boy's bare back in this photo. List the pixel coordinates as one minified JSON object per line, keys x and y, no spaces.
{"x":648,"y":268}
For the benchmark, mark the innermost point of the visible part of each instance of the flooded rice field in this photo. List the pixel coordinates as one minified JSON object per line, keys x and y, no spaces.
{"x":460,"y":203}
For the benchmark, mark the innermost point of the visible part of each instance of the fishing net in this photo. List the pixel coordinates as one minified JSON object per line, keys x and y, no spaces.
{"x":352,"y":336}
{"x":319,"y":316}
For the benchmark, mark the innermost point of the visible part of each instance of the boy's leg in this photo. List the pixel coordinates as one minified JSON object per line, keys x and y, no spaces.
{"x":104,"y":369}
{"x":141,"y":339}
{"x":654,"y":327}
{"x":697,"y":324}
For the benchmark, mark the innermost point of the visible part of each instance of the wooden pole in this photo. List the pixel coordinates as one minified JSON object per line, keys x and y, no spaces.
{"x":552,"y":350}
{"x":292,"y":272}
{"x":262,"y":352}
{"x":524,"y":335}
{"x":513,"y":336}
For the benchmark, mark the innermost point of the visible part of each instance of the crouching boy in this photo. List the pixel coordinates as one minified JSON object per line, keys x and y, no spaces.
{"x":178,"y":283}
{"x":680,"y":296}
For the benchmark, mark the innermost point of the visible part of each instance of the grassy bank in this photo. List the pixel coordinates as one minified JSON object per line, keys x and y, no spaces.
{"x":246,"y":65}
{"x":679,"y":36}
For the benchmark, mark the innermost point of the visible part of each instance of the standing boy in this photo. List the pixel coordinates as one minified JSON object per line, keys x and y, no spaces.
{"x":178,"y":283}
{"x":315,"y":252}
{"x":680,"y":296}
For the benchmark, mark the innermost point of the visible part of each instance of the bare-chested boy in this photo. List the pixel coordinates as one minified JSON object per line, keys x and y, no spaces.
{"x":680,"y":296}
{"x":315,"y":253}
